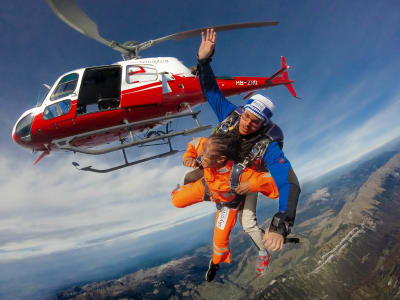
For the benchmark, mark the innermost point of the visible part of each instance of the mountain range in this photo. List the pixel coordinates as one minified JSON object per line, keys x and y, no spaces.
{"x":349,"y":248}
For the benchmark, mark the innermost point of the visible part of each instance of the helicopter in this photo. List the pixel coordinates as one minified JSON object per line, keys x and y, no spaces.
{"x":97,"y":110}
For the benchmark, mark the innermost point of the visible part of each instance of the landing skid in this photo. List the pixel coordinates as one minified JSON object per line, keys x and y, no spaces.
{"x":126,"y":164}
{"x":147,"y":140}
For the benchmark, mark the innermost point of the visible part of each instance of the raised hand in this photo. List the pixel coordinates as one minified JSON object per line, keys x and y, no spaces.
{"x":189,"y":162}
{"x":207,"y":43}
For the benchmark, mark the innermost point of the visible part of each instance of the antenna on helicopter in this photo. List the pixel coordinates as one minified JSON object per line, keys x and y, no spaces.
{"x":70,"y":12}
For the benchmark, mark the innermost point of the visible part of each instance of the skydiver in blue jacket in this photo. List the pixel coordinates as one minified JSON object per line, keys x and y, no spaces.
{"x":261,"y":147}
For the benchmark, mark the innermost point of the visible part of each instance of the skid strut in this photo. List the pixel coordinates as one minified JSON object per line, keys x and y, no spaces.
{"x":65,"y":143}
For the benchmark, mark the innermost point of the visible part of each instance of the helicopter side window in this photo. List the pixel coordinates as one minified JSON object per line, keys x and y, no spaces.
{"x":65,"y":106}
{"x":57,"y":109}
{"x":66,"y":86}
{"x":136,"y":74}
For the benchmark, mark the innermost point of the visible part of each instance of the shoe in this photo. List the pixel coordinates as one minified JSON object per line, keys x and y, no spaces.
{"x":212,"y":270}
{"x":262,"y":263}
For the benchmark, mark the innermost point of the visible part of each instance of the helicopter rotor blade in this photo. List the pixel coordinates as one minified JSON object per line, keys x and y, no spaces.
{"x":196,"y":32}
{"x":70,"y":12}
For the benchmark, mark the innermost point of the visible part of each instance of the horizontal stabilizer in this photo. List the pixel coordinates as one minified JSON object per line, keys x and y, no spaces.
{"x":291,"y":90}
{"x":285,"y":77}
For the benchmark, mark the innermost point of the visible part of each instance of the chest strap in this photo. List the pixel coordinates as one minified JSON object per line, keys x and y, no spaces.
{"x":207,"y":194}
{"x":230,"y":121}
{"x":256,"y":153}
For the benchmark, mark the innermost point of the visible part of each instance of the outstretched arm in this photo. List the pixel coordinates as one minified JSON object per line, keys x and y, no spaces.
{"x":207,"y":45}
{"x":221,"y":106}
{"x":289,"y":191}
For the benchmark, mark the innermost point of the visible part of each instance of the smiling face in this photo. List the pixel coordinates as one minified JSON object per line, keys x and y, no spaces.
{"x":249,"y":123}
{"x":210,"y":156}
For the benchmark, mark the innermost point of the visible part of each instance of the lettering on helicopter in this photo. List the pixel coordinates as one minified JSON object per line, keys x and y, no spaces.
{"x":153,"y":61}
{"x":246,"y":82}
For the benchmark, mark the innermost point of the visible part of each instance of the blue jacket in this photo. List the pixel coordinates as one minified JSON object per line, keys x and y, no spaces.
{"x":274,"y":158}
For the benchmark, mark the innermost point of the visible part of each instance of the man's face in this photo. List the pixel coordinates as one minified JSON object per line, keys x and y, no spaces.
{"x":249,"y":123}
{"x":210,"y":157}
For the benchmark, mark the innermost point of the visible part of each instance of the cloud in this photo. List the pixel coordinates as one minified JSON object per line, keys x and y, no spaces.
{"x":321,"y":194}
{"x":53,"y":207}
{"x":350,"y":144}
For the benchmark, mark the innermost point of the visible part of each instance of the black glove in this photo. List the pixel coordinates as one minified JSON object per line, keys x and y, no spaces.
{"x":278,"y":224}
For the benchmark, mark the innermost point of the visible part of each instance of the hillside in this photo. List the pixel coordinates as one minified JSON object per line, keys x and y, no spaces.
{"x":350,"y":249}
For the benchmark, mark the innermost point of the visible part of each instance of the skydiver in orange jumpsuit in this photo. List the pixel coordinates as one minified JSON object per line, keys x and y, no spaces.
{"x":217,"y":154}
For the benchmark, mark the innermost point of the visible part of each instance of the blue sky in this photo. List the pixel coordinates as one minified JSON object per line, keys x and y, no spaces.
{"x":345,"y":62}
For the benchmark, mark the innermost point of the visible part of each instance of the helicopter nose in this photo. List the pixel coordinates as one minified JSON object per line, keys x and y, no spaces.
{"x":15,"y":137}
{"x":21,"y":133}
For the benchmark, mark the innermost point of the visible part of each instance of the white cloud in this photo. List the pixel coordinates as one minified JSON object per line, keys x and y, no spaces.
{"x":349,"y":145}
{"x":321,"y":194}
{"x":53,"y":207}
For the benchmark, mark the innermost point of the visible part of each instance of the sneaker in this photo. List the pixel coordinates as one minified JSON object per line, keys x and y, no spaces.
{"x":212,"y":270}
{"x":262,"y":263}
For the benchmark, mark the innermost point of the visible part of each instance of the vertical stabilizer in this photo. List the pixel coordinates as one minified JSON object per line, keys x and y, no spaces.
{"x":285,"y":76}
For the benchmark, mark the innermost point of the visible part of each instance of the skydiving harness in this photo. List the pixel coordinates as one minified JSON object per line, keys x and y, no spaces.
{"x":230,"y":121}
{"x":235,"y":203}
{"x":256,"y":154}
{"x":254,"y":157}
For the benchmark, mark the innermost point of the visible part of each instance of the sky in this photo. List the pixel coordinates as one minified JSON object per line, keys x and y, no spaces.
{"x":345,"y":61}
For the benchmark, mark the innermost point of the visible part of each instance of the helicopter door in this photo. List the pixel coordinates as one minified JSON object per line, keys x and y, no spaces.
{"x":58,"y":113}
{"x":141,"y":86}
{"x":100,"y":89}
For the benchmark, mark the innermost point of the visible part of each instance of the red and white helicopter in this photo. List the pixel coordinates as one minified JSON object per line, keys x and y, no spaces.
{"x":89,"y":108}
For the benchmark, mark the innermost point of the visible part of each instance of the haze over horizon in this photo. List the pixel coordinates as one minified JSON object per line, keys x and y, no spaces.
{"x":345,"y":62}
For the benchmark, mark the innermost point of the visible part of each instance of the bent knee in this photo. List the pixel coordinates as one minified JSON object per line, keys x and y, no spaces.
{"x":177,"y":200}
{"x":249,"y":224}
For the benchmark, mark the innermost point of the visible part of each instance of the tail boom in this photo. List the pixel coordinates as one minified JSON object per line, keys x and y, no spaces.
{"x":281,"y":77}
{"x":230,"y":86}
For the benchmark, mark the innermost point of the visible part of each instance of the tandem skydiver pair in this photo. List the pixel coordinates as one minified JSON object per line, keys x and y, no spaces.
{"x":259,"y":142}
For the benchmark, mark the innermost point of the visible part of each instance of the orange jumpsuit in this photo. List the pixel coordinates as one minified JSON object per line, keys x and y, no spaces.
{"x":217,"y":182}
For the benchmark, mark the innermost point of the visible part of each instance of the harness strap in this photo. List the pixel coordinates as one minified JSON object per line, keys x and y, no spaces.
{"x":230,"y":121}
{"x":235,"y":203}
{"x":257,"y":152}
{"x":207,"y":194}
{"x":232,"y":204}
{"x":234,"y":179}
